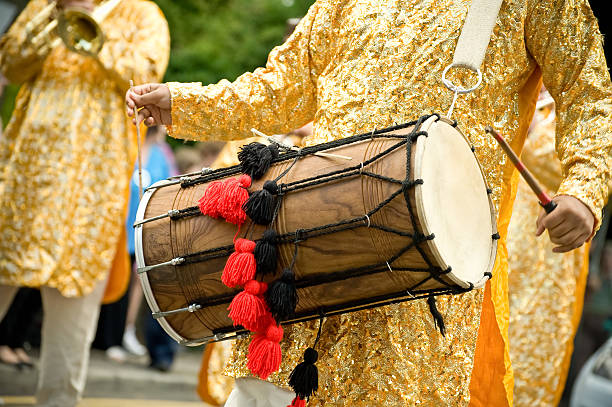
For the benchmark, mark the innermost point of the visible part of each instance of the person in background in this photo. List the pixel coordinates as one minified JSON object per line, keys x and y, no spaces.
{"x":546,"y":289}
{"x":65,"y":162}
{"x":155,"y":167}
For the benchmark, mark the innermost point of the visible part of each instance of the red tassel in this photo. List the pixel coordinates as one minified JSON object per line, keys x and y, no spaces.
{"x":241,"y":265}
{"x":249,"y":308}
{"x":264,"y":355}
{"x":297,"y":402}
{"x":234,"y":195}
{"x":209,"y":203}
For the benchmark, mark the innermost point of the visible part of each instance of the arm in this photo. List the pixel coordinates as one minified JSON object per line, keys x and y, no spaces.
{"x":564,"y":39}
{"x":20,"y":60}
{"x":139,"y":48}
{"x":274,"y":99}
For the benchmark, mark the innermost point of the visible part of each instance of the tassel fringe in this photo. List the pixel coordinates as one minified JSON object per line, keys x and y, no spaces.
{"x":304,"y":379}
{"x":248,"y":308}
{"x":437,"y":317}
{"x":241,"y":265}
{"x":255,"y":158}
{"x":264,"y":355}
{"x":282,"y":296}
{"x":261,"y":205}
{"x":266,"y":253}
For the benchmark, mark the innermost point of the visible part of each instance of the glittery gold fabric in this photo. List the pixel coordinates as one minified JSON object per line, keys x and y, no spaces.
{"x":355,"y":65}
{"x":546,"y":289}
{"x":65,"y":158}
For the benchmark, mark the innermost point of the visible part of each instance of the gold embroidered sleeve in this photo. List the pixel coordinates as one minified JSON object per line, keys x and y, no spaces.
{"x":274,"y":99}
{"x":564,"y":39}
{"x":143,"y":55}
{"x":20,"y":59}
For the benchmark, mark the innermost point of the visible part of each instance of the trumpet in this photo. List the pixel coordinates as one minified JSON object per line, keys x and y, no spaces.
{"x":78,"y":29}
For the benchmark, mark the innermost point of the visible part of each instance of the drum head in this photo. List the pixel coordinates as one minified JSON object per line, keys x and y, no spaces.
{"x":453,"y":204}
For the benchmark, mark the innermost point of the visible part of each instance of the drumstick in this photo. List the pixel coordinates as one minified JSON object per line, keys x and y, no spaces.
{"x":138,"y":143}
{"x":548,"y":204}
{"x":277,"y":141}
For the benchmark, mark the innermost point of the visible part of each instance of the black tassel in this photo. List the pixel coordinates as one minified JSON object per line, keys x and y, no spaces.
{"x":255,"y":158}
{"x":282,"y":296}
{"x":304,"y":380}
{"x":266,"y":253}
{"x":437,"y":317}
{"x":261,"y":205}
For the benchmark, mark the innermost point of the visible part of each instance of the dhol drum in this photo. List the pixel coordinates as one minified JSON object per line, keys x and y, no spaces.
{"x":408,"y":216}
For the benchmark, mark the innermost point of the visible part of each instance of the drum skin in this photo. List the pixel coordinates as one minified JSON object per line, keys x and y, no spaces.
{"x":174,"y":287}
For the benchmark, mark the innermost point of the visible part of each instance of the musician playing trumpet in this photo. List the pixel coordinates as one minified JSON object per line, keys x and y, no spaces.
{"x":65,"y":163}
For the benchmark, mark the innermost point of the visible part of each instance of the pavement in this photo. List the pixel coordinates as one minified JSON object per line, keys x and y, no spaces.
{"x":114,"y":384}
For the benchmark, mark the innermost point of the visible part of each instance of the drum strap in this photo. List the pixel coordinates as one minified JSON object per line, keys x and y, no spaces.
{"x":476,"y":33}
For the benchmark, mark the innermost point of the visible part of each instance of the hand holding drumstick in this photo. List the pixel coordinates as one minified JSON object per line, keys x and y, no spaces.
{"x":569,"y":221}
{"x":153,"y":100}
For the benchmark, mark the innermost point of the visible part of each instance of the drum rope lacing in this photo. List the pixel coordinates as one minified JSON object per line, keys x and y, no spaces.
{"x":407,"y":184}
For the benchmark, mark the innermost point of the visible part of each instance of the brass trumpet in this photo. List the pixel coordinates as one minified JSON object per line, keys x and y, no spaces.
{"x":78,"y":29}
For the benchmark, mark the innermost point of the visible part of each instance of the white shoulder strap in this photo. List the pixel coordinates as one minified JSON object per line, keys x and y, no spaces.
{"x":476,"y":33}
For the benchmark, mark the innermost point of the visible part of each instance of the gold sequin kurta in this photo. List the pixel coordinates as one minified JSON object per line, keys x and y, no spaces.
{"x":353,"y":65}
{"x":546,"y":289}
{"x":65,"y":159}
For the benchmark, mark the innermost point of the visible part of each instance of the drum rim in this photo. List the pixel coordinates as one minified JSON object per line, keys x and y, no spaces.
{"x":431,"y":244}
{"x":144,"y":279}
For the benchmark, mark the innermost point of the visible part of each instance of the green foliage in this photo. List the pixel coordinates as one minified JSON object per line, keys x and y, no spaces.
{"x":7,"y":102}
{"x":216,"y":39}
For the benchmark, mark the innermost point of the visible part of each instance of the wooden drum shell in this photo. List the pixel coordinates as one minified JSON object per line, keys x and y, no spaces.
{"x":173,"y":287}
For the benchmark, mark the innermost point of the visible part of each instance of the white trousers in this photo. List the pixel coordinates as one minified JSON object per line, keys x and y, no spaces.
{"x":69,"y":326}
{"x":249,"y":392}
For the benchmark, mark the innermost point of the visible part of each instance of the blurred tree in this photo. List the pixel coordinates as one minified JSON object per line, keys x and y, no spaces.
{"x":216,"y":39}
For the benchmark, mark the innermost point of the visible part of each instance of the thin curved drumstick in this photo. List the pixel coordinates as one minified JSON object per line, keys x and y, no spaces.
{"x":138,"y":142}
{"x":548,"y":204}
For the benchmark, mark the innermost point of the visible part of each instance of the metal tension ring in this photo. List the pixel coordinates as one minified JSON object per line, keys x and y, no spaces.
{"x":456,"y":88}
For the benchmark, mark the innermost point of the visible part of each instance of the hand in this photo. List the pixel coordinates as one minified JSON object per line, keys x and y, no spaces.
{"x":569,"y":225}
{"x":82,"y":4}
{"x":155,"y":101}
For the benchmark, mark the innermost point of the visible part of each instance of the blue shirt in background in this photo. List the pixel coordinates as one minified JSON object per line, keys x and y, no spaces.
{"x":155,"y":169}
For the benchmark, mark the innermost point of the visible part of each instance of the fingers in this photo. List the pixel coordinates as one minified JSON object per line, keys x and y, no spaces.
{"x":569,"y":225}
{"x":566,"y":238}
{"x":130,"y":103}
{"x":144,"y":114}
{"x":539,"y":225}
{"x":554,"y":219}
{"x":149,"y":98}
{"x":561,"y":229}
{"x":133,"y":97}
{"x":579,"y":241}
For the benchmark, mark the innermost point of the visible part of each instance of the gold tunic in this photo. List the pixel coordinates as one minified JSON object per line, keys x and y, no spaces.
{"x":546,"y":289}
{"x":355,"y":65}
{"x":67,"y":153}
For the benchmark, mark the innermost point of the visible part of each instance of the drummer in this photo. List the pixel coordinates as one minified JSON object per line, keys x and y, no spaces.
{"x":352,"y":67}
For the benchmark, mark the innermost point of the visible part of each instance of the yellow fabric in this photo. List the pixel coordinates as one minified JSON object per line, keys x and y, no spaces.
{"x":65,"y":159}
{"x":546,"y":289}
{"x":120,"y":270}
{"x":356,"y":65}
{"x":487,"y":386}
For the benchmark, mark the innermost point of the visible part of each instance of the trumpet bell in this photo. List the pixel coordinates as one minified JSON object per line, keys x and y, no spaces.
{"x":80,"y":32}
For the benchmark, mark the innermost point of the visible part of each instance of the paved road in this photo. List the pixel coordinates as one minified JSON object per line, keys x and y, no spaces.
{"x":112,"y":384}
